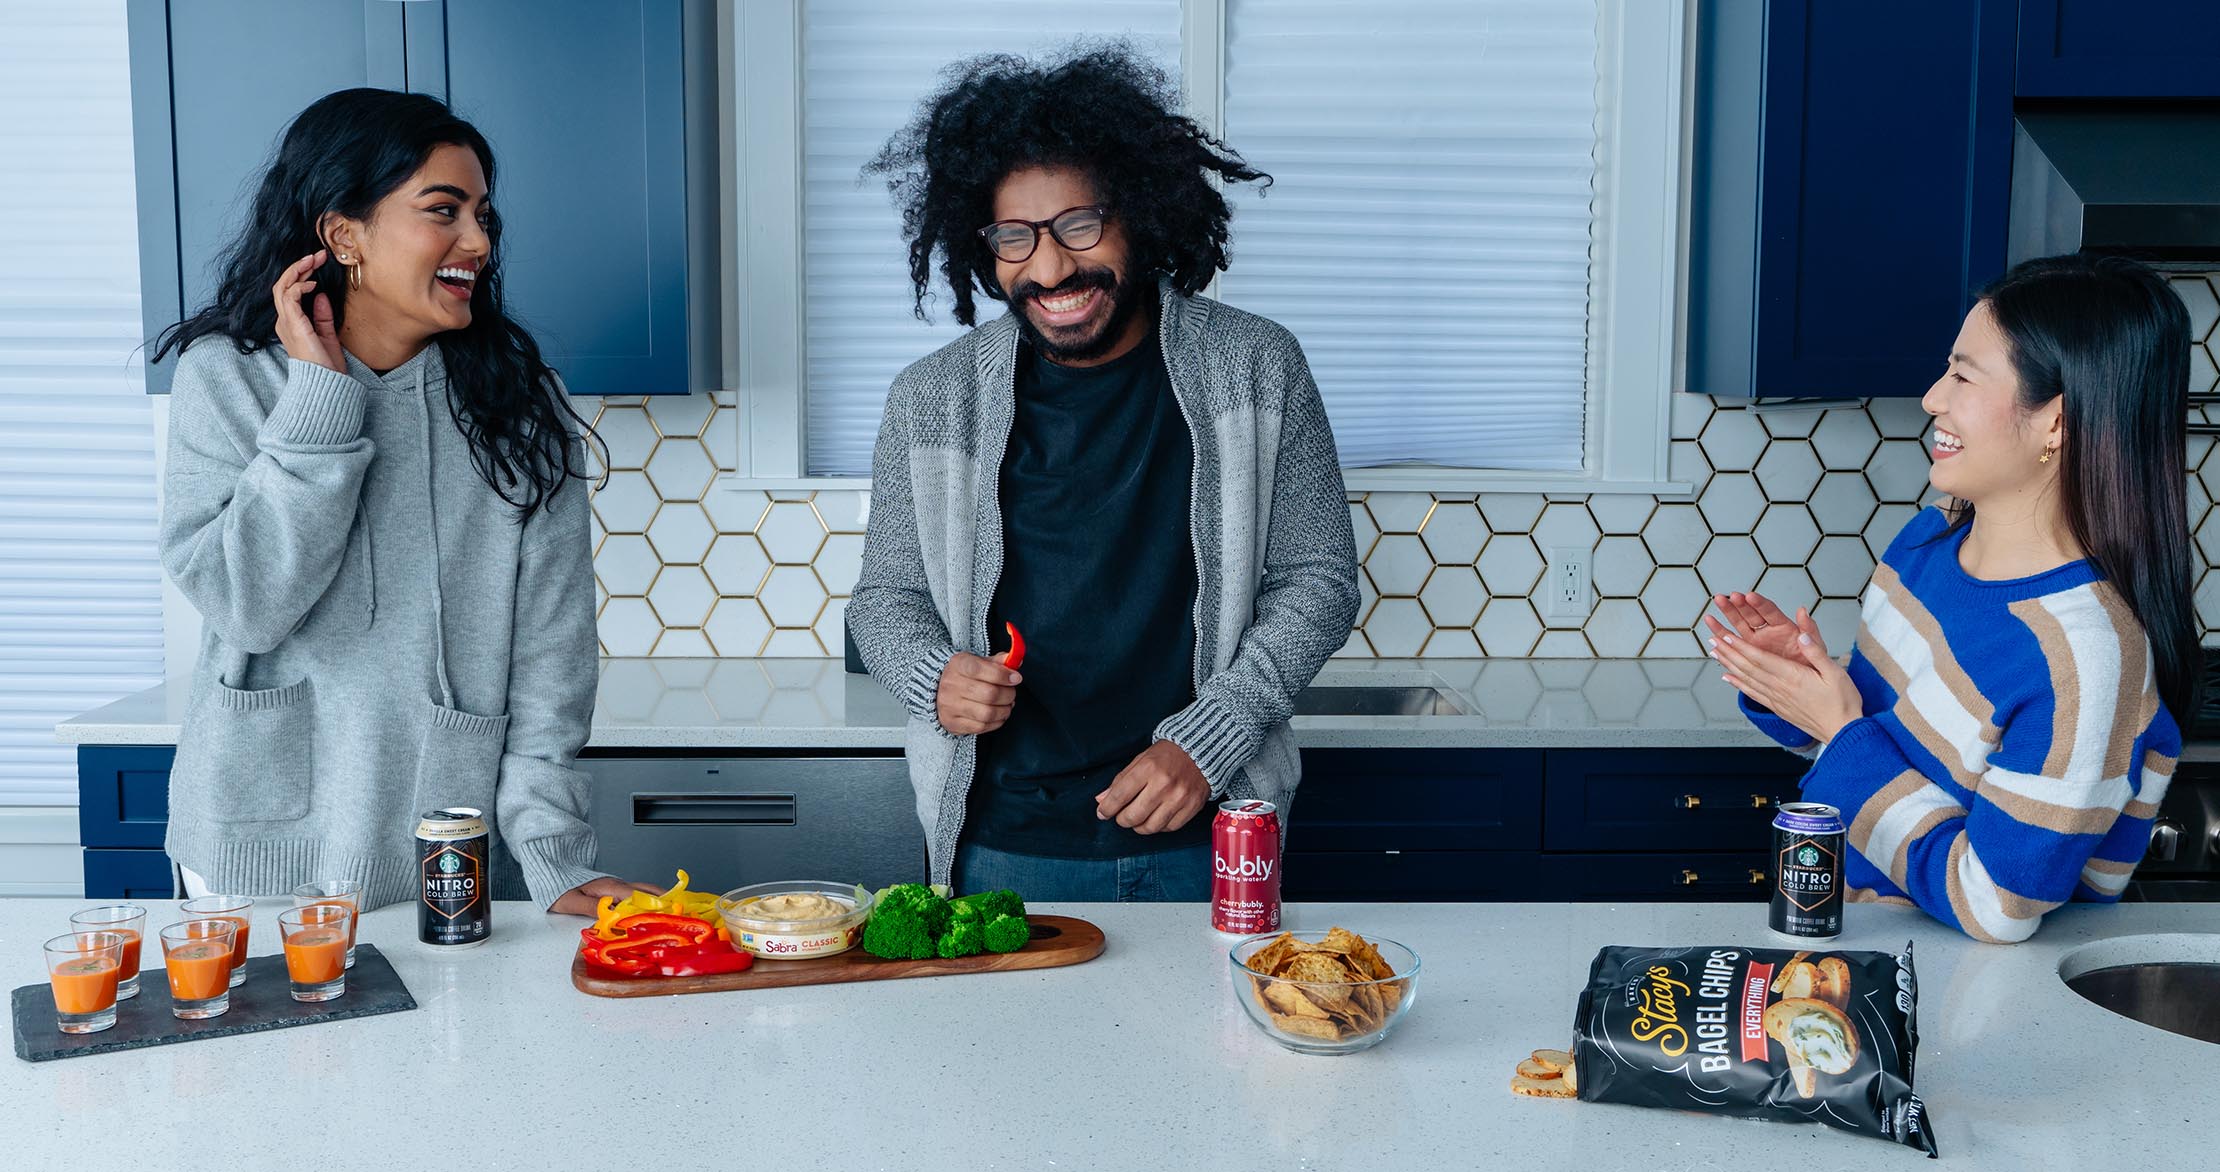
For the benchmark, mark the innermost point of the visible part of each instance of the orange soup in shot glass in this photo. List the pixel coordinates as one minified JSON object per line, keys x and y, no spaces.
{"x":235,"y":908}
{"x":83,"y":968}
{"x":315,"y":939}
{"x":127,"y":920}
{"x":196,"y":955}
{"x":346,"y":893}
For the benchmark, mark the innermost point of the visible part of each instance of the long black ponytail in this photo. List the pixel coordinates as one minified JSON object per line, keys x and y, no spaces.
{"x":343,"y":154}
{"x":2108,"y":334}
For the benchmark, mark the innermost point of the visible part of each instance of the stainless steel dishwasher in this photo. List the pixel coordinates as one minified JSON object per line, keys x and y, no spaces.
{"x":744,"y":818}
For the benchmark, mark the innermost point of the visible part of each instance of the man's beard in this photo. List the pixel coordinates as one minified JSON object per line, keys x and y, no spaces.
{"x":1124,"y":304}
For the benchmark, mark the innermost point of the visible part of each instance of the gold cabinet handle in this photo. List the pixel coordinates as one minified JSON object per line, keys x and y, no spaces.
{"x":1688,"y":801}
{"x":1689,"y":878}
{"x":1761,"y":801}
{"x":1757,"y":877}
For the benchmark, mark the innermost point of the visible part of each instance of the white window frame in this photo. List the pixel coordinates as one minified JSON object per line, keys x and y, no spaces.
{"x":1635,"y":280}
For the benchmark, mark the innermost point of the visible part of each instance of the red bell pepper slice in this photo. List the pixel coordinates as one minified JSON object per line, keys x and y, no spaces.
{"x":1015,"y":656}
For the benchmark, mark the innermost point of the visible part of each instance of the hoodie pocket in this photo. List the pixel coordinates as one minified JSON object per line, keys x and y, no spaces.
{"x":460,"y":760}
{"x":255,"y":750}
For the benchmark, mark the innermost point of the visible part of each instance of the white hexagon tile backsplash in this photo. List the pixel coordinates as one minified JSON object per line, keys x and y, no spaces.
{"x":1797,"y":501}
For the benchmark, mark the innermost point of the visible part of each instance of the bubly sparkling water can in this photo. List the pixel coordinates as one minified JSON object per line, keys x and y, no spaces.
{"x":1245,"y":867}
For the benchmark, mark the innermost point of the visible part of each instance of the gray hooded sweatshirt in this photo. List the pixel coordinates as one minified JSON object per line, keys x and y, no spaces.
{"x":1276,"y":582}
{"x":380,"y":635}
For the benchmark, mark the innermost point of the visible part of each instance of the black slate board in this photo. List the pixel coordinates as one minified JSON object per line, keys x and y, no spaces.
{"x":265,"y":1002}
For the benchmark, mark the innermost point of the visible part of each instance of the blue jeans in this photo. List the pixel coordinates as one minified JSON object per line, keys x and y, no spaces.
{"x":1181,"y":875}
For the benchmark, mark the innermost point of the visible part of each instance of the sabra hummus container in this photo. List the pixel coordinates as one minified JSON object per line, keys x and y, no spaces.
{"x":777,"y":921}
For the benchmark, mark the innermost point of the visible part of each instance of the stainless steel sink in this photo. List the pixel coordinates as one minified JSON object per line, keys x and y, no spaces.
{"x":2182,"y":997}
{"x":1363,"y":701}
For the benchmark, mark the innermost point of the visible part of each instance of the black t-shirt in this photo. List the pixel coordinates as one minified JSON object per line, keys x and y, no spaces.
{"x":1098,"y":572}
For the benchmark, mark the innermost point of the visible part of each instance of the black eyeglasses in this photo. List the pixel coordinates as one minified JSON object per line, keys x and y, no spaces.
{"x":1077,"y":229}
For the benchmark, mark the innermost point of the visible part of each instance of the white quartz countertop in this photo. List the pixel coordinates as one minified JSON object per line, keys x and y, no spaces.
{"x":813,"y":703}
{"x":1140,"y":1059}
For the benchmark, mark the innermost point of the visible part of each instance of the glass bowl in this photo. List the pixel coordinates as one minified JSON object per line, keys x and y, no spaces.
{"x":1322,"y":1017}
{"x":779,"y":939}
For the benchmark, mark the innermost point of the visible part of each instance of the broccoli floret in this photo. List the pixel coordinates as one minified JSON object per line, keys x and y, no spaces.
{"x":1007,"y":934}
{"x":905,"y":920}
{"x":896,"y":934}
{"x":964,"y":938}
{"x":990,"y":904}
{"x":960,"y":912}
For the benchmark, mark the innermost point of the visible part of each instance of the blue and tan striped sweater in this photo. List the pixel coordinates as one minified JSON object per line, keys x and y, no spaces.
{"x":2013,"y":750}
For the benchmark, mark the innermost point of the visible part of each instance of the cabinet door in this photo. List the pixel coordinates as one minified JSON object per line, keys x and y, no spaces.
{"x":1680,"y":800}
{"x":1852,"y":179}
{"x":123,"y":794}
{"x":1417,"y":800}
{"x":128,"y":874}
{"x":1421,"y":877}
{"x":586,"y":108}
{"x":212,"y":87}
{"x":2119,"y":49}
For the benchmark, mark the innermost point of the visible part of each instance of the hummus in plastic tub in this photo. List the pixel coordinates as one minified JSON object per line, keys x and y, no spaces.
{"x":797,"y":919}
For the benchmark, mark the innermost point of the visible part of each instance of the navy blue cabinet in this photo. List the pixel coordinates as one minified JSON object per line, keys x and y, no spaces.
{"x":123,"y":809}
{"x":601,"y":118}
{"x":1534,"y":825}
{"x":2119,"y":49}
{"x":1851,"y":171}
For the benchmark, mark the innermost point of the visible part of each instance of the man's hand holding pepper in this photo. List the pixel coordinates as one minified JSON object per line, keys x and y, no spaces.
{"x":976,"y":694}
{"x":1162,"y":790}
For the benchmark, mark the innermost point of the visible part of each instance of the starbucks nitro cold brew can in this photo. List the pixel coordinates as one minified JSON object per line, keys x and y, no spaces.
{"x":1807,"y":871}
{"x":454,"y":906}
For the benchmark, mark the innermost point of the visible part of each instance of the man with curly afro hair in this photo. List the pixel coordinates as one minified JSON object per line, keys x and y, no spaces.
{"x":1138,"y":479}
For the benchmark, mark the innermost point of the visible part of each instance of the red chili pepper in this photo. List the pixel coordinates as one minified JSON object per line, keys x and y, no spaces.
{"x":1016,"y":654}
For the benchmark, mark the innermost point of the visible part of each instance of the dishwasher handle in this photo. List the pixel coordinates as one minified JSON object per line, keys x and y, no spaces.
{"x":713,"y":809}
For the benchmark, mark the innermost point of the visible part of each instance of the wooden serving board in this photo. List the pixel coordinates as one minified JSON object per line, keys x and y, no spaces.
{"x":1057,"y":941}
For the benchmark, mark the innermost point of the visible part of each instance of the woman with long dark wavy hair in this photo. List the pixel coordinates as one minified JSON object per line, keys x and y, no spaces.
{"x":2002,"y":736}
{"x":374,"y":499}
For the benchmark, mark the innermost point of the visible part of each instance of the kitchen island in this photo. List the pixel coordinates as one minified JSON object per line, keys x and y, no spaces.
{"x":1139,"y":1059}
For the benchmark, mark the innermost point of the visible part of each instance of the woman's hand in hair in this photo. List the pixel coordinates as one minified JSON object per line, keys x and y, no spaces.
{"x":584,"y":898}
{"x":307,"y":334}
{"x":1805,"y":687}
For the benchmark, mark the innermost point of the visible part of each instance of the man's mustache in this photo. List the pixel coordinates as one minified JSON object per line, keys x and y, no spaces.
{"x":1102,"y":279}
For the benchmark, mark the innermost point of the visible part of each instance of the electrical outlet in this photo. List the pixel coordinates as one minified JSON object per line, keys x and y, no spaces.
{"x":1567,"y":590}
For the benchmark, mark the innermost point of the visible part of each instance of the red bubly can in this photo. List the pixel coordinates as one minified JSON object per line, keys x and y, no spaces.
{"x":1245,"y":867}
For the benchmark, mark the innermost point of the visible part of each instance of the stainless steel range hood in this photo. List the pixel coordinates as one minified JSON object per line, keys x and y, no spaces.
{"x":2141,"y":183}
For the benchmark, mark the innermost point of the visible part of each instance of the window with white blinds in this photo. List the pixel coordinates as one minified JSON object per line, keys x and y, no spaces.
{"x":1427,"y":236}
{"x":866,"y":65}
{"x":80,"y":585}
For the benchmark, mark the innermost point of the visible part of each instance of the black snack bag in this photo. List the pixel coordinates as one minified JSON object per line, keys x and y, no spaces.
{"x":1758,"y":1033}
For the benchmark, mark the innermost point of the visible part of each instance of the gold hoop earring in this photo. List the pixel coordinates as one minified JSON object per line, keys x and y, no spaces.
{"x":354,"y":284}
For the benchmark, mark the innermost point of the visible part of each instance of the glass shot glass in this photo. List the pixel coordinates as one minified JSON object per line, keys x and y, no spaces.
{"x":315,"y":939}
{"x":235,"y":908}
{"x":127,"y":920}
{"x":83,"y":968}
{"x":196,"y":954}
{"x":346,"y":893}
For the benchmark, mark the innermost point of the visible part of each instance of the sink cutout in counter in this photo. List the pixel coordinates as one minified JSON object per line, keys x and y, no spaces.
{"x":2166,"y":982}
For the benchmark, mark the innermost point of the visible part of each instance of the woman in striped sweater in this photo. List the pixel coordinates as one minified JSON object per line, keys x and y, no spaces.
{"x":2001,"y":737}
